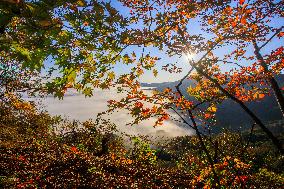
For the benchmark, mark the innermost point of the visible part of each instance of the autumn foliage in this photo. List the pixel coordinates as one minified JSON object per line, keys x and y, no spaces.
{"x":33,"y":155}
{"x":233,"y":51}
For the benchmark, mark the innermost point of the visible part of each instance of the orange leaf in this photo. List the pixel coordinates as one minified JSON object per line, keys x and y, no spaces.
{"x":243,"y":20}
{"x":210,"y":22}
{"x":234,"y":24}
{"x":86,"y":23}
{"x":74,"y":149}
{"x":241,"y":2}
{"x":261,"y":96}
{"x":207,"y":116}
{"x":183,"y":12}
{"x":281,"y":34}
{"x":21,"y":158}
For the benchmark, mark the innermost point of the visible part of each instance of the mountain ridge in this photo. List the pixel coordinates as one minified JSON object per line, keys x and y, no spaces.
{"x":230,"y":114}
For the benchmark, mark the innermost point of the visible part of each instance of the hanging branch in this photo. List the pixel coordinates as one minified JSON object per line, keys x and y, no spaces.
{"x":198,"y":133}
{"x":275,"y":141}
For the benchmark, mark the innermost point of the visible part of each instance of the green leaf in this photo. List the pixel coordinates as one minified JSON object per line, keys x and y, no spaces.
{"x":23,"y":53}
{"x":88,"y":92}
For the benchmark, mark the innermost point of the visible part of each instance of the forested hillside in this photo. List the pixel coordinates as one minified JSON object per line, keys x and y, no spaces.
{"x":229,"y":114}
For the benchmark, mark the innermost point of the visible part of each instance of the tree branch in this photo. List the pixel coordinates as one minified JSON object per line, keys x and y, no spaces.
{"x":275,"y":141}
{"x":273,"y":83}
{"x":277,"y":32}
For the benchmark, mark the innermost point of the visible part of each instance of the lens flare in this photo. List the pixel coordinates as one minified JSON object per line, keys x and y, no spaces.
{"x":190,"y":55}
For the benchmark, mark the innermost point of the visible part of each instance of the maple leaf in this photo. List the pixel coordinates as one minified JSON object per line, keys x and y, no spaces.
{"x":261,"y":96}
{"x":86,"y":23}
{"x":243,"y":20}
{"x":207,"y":116}
{"x":258,"y":95}
{"x":281,"y":34}
{"x":74,"y":149}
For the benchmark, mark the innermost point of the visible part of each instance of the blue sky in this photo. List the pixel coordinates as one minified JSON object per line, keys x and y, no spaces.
{"x":148,"y":76}
{"x":163,"y":76}
{"x":195,"y":28}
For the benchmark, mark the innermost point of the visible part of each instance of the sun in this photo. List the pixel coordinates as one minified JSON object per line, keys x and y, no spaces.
{"x":190,"y":55}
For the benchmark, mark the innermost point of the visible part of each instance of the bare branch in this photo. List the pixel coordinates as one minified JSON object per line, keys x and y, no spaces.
{"x":277,"y":32}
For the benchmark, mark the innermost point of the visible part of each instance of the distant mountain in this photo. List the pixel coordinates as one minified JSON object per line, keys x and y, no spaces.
{"x":230,"y":114}
{"x":172,"y":85}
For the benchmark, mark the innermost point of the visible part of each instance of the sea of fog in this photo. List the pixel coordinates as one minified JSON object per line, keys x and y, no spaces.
{"x":78,"y":107}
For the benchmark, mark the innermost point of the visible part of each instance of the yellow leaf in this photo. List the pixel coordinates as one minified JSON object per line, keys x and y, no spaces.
{"x":155,"y":72}
{"x":126,"y":40}
{"x":81,"y":3}
{"x":140,"y":72}
{"x":77,"y":43}
{"x":111,"y":75}
{"x":133,"y":55}
{"x":212,"y":109}
{"x":44,"y":23}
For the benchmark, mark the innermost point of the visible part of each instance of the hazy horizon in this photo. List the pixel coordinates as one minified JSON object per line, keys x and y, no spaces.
{"x":78,"y":107}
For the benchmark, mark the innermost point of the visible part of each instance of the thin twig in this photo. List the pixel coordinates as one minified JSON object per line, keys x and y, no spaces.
{"x":277,"y":31}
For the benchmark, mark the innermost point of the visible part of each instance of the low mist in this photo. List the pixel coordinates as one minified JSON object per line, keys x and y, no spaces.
{"x":79,"y":107}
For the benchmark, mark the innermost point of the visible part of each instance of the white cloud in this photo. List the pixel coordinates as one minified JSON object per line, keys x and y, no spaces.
{"x":80,"y":108}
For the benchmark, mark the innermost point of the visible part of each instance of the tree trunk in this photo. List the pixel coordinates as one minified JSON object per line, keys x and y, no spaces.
{"x":275,"y":141}
{"x":273,"y":83}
